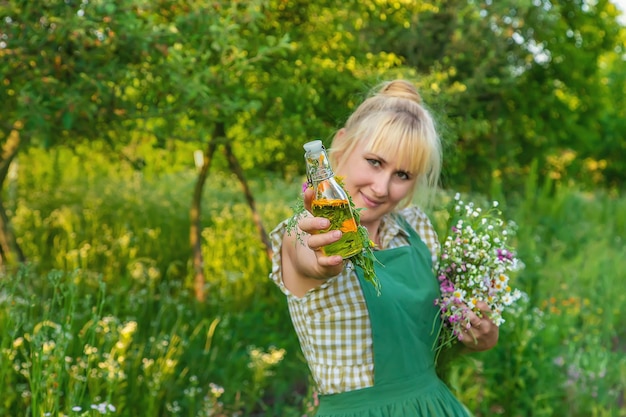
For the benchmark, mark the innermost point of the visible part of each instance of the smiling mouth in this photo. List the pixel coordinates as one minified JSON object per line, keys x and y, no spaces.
{"x":368,"y":202}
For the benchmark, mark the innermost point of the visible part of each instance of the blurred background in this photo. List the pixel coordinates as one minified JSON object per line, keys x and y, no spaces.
{"x":147,"y":148}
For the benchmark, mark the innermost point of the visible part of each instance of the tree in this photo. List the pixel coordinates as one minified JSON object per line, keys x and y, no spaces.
{"x":277,"y":70}
{"x":8,"y":244}
{"x":68,"y":73}
{"x":220,"y":74}
{"x":516,"y":81}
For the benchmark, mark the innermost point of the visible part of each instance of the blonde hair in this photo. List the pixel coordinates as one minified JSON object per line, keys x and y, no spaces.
{"x":393,"y":120}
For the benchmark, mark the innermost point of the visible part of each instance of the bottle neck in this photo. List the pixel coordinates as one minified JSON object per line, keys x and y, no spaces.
{"x":320,"y":174}
{"x":318,"y":167}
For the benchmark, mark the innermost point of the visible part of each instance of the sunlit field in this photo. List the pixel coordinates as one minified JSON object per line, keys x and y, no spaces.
{"x":103,"y":320}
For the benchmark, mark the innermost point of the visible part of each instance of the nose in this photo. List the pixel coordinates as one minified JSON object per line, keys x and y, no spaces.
{"x":380,"y":185}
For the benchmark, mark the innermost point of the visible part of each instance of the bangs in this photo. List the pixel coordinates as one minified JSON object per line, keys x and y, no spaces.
{"x":404,"y":135}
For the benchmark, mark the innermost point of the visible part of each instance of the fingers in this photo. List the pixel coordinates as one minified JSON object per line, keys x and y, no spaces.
{"x":475,"y":320}
{"x":317,"y":242}
{"x":317,"y":238}
{"x":473,"y":329}
{"x":472,"y":336}
{"x":307,"y":197}
{"x":328,"y":263}
{"x":316,"y":227}
{"x":473,"y":317}
{"x":483,"y":307}
{"x":481,"y":333}
{"x":313,"y":225}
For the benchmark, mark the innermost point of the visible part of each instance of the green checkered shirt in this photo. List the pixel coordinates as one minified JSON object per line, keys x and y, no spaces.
{"x":332,"y":321}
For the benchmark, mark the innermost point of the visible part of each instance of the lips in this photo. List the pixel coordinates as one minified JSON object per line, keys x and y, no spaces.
{"x":369,"y":203}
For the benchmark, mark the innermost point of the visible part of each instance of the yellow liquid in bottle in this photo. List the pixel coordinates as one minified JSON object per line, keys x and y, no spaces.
{"x":340,"y":216}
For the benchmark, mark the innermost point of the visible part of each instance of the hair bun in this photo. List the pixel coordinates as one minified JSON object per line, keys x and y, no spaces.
{"x":401,"y":89}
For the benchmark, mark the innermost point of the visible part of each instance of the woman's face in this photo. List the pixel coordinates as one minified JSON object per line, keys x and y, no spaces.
{"x":376,"y":182}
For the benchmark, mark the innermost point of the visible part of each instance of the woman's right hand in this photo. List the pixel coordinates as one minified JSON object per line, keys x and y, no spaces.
{"x":304,"y":264}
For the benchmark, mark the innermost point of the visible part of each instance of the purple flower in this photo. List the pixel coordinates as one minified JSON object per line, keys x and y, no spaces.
{"x":504,"y":254}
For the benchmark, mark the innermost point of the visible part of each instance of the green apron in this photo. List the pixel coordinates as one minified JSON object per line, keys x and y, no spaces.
{"x":404,"y":321}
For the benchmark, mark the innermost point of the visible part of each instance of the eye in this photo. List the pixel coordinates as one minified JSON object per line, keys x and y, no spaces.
{"x":403,"y":175}
{"x":373,"y":162}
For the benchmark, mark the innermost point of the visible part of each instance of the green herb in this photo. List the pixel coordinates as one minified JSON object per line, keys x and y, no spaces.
{"x":292,"y":222}
{"x":366,"y":258}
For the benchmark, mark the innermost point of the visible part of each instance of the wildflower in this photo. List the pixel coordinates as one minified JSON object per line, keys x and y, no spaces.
{"x":103,"y":408}
{"x":475,"y":265}
{"x":18,"y":342}
{"x":129,"y":328}
{"x":48,"y":346}
{"x":90,"y":350}
{"x":348,"y":225}
{"x":216,"y":390}
{"x":147,"y":363}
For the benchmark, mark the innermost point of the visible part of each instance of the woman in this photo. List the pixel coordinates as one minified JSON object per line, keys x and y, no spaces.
{"x":373,"y":355}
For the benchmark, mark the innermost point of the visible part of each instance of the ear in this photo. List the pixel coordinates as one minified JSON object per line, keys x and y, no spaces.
{"x":338,"y":145}
{"x":338,"y":141}
{"x":341,"y":133}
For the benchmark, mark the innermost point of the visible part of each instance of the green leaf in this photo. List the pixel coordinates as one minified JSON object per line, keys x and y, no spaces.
{"x":67,"y":120}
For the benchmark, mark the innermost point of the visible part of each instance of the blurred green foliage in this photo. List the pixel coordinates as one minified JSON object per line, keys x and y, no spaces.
{"x":510,"y":82}
{"x":105,"y":311}
{"x":104,"y":104}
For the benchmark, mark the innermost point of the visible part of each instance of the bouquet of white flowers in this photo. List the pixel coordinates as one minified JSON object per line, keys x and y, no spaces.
{"x":476,"y":262}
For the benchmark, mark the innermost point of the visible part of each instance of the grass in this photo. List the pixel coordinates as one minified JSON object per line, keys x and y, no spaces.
{"x":103,"y":319}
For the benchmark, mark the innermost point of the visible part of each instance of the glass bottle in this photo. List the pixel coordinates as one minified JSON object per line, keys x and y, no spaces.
{"x":331,"y":201}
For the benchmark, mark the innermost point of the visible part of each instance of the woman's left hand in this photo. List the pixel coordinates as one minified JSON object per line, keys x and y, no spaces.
{"x":482,"y":333}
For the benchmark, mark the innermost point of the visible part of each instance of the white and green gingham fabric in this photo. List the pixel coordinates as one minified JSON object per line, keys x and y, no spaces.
{"x":332,"y":321}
